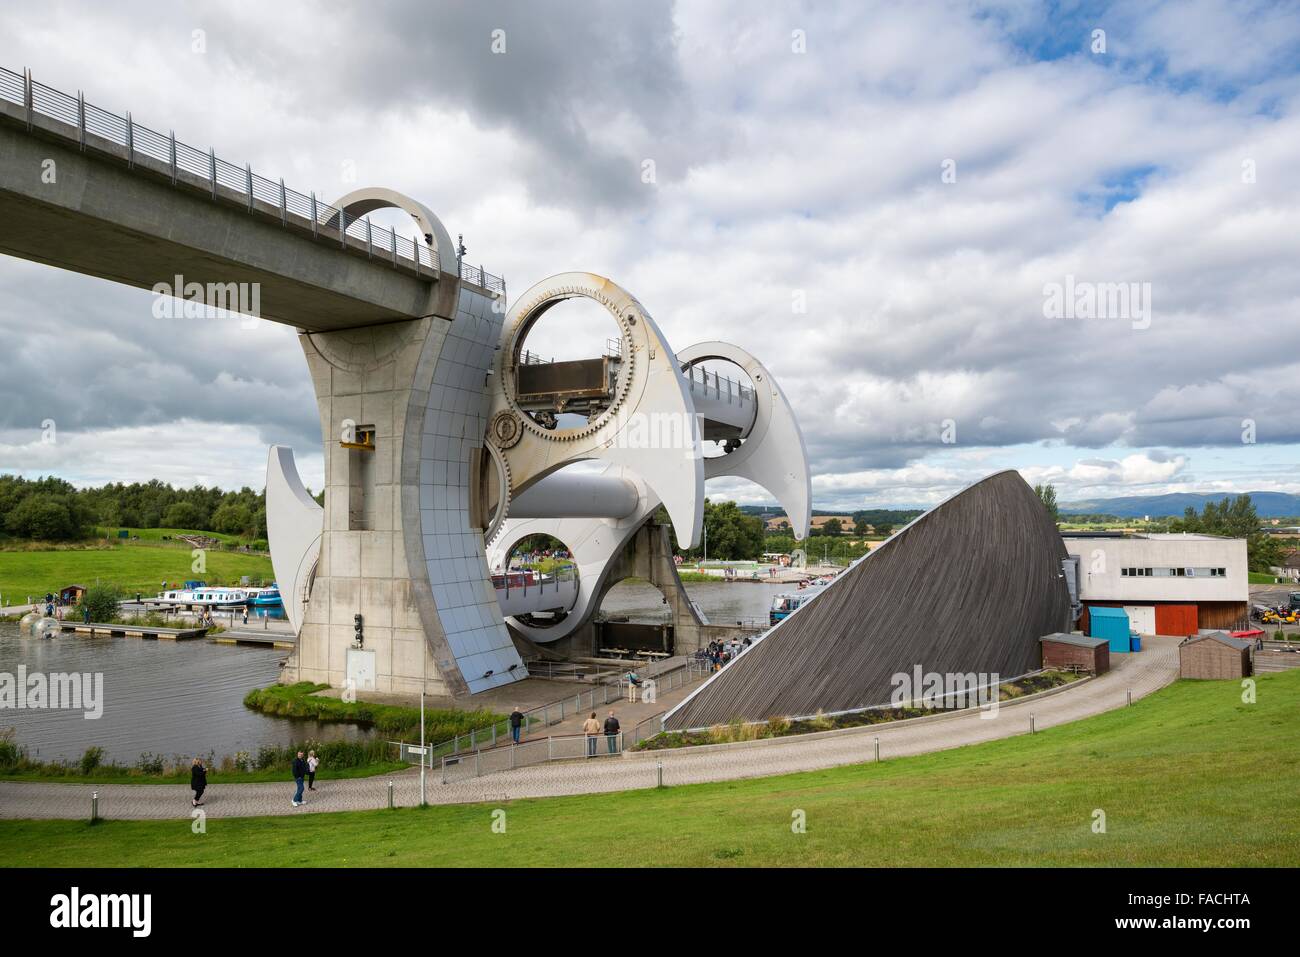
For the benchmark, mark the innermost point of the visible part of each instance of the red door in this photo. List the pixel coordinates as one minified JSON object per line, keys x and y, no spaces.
{"x":1176,"y":620}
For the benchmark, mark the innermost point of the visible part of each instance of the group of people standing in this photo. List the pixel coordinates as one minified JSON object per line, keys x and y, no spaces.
{"x":304,"y":773}
{"x":719,"y":653}
{"x":592,"y":728}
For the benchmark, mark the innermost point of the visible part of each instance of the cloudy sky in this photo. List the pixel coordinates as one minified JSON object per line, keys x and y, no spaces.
{"x":882,"y":202}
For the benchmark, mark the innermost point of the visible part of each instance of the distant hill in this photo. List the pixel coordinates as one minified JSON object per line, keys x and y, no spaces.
{"x":1267,"y":504}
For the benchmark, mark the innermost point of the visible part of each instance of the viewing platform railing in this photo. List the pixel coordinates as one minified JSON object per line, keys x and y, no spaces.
{"x":84,"y":119}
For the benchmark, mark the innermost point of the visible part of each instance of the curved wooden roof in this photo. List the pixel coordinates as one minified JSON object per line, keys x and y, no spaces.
{"x":970,"y":586}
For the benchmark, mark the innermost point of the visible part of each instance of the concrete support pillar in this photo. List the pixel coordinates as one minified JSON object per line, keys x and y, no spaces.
{"x":399,"y":545}
{"x":652,"y":557}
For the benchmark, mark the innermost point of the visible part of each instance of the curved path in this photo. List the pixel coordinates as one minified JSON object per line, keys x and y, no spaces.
{"x":1142,"y":673}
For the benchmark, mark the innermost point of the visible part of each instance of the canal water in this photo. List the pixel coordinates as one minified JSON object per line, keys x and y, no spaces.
{"x":163,"y":697}
{"x":186,"y":697}
{"x":723,"y":602}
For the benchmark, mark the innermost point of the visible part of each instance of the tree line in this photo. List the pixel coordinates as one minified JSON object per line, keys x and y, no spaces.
{"x":51,"y":509}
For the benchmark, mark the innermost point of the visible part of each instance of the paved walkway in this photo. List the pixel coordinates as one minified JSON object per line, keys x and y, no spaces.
{"x":1143,"y":673}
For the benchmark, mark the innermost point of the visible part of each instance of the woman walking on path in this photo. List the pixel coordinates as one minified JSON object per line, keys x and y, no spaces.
{"x":313,"y":763}
{"x":198,"y":781}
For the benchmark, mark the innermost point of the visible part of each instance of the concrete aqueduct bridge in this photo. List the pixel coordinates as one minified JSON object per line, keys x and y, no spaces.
{"x":441,"y":435}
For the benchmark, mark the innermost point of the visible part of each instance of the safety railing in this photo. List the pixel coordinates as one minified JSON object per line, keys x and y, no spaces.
{"x":85,"y":119}
{"x":505,"y":754}
{"x":552,"y":713}
{"x":563,"y":747}
{"x":521,"y":583}
{"x":723,"y":388}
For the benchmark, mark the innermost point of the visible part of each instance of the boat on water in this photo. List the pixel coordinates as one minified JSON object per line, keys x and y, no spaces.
{"x":210,"y":596}
{"x":265,"y":597}
{"x":784,"y":605}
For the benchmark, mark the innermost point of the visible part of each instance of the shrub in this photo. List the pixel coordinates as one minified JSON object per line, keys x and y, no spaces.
{"x":777,"y":727}
{"x":819,"y":722}
{"x":92,"y":759}
{"x":10,"y":753}
{"x":102,"y":601}
{"x":150,"y":763}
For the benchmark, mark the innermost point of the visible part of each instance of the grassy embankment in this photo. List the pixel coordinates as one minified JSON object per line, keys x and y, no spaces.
{"x":400,"y":723}
{"x":1189,"y":776}
{"x":344,"y":759}
{"x":35,"y":568}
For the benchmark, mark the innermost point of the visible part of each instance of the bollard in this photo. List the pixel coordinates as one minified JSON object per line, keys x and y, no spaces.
{"x":1130,"y":697}
{"x":390,"y":795}
{"x":877,"y":750}
{"x":659,"y":769}
{"x":94,"y":807}
{"x":1031,"y":724}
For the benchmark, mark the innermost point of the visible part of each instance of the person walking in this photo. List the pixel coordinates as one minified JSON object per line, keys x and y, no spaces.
{"x":611,"y":733}
{"x":591,"y":728}
{"x":313,"y":763}
{"x":516,"y":723}
{"x":299,"y":772}
{"x":198,"y":781}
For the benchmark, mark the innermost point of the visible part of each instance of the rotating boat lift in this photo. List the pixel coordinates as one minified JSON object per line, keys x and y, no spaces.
{"x":487,"y":454}
{"x":606,"y":518}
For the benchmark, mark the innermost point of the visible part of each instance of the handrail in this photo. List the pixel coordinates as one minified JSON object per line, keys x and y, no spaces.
{"x":490,"y":731}
{"x":85,"y":118}
{"x":687,"y":671}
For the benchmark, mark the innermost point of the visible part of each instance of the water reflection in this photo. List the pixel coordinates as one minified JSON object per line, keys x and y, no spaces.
{"x":165,"y":697}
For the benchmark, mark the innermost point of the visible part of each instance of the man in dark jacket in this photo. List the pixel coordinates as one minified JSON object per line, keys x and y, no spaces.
{"x":516,"y":723}
{"x":299,"y":772}
{"x":611,"y":733}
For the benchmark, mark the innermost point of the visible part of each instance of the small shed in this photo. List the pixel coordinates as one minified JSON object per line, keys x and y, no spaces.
{"x":71,"y":594}
{"x":1215,"y":654}
{"x":1111,"y":624}
{"x":1076,"y":651}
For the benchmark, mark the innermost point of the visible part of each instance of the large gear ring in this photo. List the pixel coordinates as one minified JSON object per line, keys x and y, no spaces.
{"x":529,"y":313}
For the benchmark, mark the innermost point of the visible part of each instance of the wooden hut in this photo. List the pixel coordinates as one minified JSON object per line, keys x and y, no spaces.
{"x":1215,"y":654}
{"x":1076,"y":652}
{"x":71,"y":594}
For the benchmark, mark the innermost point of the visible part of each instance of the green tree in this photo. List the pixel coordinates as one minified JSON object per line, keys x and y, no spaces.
{"x":1047,"y":495}
{"x":861,"y":527}
{"x":102,"y":601}
{"x":732,"y":535}
{"x":184,"y":515}
{"x":43,"y":516}
{"x":832,"y":526}
{"x":233,"y":518}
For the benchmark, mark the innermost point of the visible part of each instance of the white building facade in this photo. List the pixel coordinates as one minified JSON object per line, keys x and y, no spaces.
{"x":1170,"y":584}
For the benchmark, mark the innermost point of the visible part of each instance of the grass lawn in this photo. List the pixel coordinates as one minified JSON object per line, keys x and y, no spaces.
{"x":1189,"y":776}
{"x":300,"y":701}
{"x":1263,"y":578}
{"x":135,"y":566}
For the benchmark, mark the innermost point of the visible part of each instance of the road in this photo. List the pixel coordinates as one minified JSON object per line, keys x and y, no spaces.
{"x":1142,"y":673}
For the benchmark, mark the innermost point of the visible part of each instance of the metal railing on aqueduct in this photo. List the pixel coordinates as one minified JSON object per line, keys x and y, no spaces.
{"x":85,"y":119}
